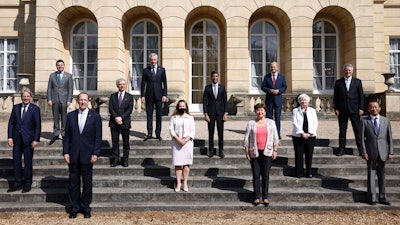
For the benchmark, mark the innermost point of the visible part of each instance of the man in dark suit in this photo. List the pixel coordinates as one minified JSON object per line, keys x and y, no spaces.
{"x":154,"y":93}
{"x":81,"y":148}
{"x":348,"y":101}
{"x":215,"y":108}
{"x":23,"y":136}
{"x":120,"y":108}
{"x":59,"y":97}
{"x":274,"y":85}
{"x":377,"y":147}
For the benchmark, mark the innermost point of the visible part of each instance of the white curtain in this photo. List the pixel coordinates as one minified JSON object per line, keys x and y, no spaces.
{"x":394,"y":60}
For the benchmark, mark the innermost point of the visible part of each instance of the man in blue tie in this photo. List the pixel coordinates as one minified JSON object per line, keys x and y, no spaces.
{"x":59,"y":97}
{"x":24,"y":129}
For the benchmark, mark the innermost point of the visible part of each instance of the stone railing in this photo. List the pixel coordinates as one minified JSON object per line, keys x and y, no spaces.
{"x":243,"y":104}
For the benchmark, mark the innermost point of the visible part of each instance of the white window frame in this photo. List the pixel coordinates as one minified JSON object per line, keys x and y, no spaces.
{"x":4,"y":76}
{"x":396,"y":85}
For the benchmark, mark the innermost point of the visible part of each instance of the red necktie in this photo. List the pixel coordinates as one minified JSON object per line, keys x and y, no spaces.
{"x":273,"y":80}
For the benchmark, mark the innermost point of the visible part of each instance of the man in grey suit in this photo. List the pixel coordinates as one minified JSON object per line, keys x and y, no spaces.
{"x":59,"y":97}
{"x":377,"y":147}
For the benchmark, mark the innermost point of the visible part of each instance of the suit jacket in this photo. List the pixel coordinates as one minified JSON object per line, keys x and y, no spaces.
{"x":153,"y":90}
{"x":373,"y":143}
{"x":81,"y":146}
{"x":348,"y":101}
{"x":298,"y":119}
{"x":29,"y":128}
{"x":215,"y":106}
{"x":60,"y":92}
{"x":267,"y":85}
{"x":123,"y":111}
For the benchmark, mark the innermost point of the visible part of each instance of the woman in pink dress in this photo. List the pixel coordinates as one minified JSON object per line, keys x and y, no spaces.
{"x":261,"y":145}
{"x":182,"y":130}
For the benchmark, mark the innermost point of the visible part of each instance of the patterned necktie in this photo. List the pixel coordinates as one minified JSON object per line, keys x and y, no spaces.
{"x":376,"y":125}
{"x":120,"y":99}
{"x":23,"y":112}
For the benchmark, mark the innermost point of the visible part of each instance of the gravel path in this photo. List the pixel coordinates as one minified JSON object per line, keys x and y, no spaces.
{"x":208,"y":217}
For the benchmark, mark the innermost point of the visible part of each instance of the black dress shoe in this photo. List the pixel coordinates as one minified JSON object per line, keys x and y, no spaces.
{"x":221,"y":155}
{"x":210,"y":154}
{"x":72,"y":215}
{"x":87,"y":215}
{"x":372,"y":203}
{"x":159,"y":138}
{"x":280,"y":137}
{"x":384,"y":202}
{"x":14,"y":188}
{"x":27,"y":189}
{"x":124,"y":163}
{"x":114,"y":164}
{"x":147,"y":138}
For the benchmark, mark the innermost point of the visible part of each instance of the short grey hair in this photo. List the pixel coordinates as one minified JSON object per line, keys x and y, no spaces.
{"x":119,"y":80}
{"x":27,"y":90}
{"x":303,"y":96}
{"x":152,"y":55}
{"x":348,"y":65}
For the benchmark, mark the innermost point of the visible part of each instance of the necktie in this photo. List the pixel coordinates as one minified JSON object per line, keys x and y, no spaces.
{"x":347,"y":84}
{"x":273,"y":80}
{"x":23,"y":112}
{"x":215,"y":90}
{"x":153,"y":72}
{"x":120,"y":99}
{"x":59,"y":77}
{"x":376,"y":125}
{"x":81,"y":122}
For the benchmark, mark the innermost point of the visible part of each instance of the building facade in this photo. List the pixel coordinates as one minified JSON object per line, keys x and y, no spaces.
{"x":101,"y":41}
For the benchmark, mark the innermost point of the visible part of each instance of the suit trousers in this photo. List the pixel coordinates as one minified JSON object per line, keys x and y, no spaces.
{"x":275,"y":109}
{"x":80,"y":202}
{"x":59,"y":109}
{"x":115,"y":132}
{"x":220,"y":129}
{"x":20,"y":149}
{"x":376,"y":167}
{"x":149,"y":113}
{"x":261,"y":166}
{"x":343,"y":119}
{"x":303,"y":147}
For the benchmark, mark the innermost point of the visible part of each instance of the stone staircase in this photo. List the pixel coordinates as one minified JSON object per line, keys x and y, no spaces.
{"x":214,"y":184}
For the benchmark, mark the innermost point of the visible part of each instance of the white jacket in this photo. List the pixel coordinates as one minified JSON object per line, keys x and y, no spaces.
{"x":298,"y":118}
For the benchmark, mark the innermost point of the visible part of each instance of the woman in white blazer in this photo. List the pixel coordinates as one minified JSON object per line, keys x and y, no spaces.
{"x":261,"y":145}
{"x":304,"y":133}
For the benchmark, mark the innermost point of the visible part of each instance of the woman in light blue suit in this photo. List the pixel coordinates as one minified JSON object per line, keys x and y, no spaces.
{"x":305,"y":124}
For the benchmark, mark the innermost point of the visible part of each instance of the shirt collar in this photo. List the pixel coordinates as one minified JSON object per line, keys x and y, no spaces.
{"x":84,"y":111}
{"x":373,"y":117}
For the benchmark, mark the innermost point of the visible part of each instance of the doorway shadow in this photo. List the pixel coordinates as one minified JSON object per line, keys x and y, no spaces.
{"x":163,"y":173}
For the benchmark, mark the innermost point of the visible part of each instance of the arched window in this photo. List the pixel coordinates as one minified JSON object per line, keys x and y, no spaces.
{"x":324,"y":57}
{"x":205,"y":57}
{"x":145,"y":39}
{"x":84,"y":56}
{"x":263,"y":51}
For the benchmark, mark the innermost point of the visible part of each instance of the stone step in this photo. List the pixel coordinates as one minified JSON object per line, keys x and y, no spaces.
{"x":195,"y":205}
{"x":286,"y":194}
{"x":100,"y":181}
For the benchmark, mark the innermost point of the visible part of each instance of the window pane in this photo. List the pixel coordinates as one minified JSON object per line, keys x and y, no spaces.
{"x":78,"y":84}
{"x":197,"y":70}
{"x":137,"y":56}
{"x":12,"y":59}
{"x":317,"y":27}
{"x":197,"y":42}
{"x":330,"y":69}
{"x":151,"y":28}
{"x":211,"y":28}
{"x":330,"y":81}
{"x":198,"y":28}
{"x":257,"y":28}
{"x":197,"y":97}
{"x":317,"y":42}
{"x":137,"y":42}
{"x":271,"y":56}
{"x":197,"y":56}
{"x":78,"y":56}
{"x":317,"y":69}
{"x":1,"y":44}
{"x":269,"y":29}
{"x":138,"y":29}
{"x":92,"y":84}
{"x":256,"y":42}
{"x":152,"y":42}
{"x":330,"y":56}
{"x":317,"y":56}
{"x":92,"y":43}
{"x":92,"y":70}
{"x":79,"y":28}
{"x":92,"y":56}
{"x":13,"y":72}
{"x":329,"y":28}
{"x":91,"y":28}
{"x":256,"y":56}
{"x":12,"y":45}
{"x":78,"y":43}
{"x":330,"y":42}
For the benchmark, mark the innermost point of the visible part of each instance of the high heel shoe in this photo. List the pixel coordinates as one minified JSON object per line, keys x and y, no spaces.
{"x":185,"y":189}
{"x":256,"y":202}
{"x":266,"y":202}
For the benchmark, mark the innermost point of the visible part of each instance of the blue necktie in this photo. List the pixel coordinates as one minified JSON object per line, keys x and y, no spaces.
{"x":59,"y":77}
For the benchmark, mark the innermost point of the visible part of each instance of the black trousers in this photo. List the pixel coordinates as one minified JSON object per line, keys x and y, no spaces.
{"x":343,"y":119}
{"x":20,"y":149}
{"x":261,"y":166}
{"x":80,"y":201}
{"x":149,"y":113}
{"x":220,"y":129}
{"x":115,"y":132}
{"x":303,"y":147}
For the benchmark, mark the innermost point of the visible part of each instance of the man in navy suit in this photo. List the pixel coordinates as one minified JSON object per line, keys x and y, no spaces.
{"x":215,"y":108}
{"x":81,"y":149}
{"x":59,"y":97}
{"x":23,"y":136}
{"x":274,"y":85}
{"x":348,"y":102}
{"x":120,"y":109}
{"x":154,"y":93}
